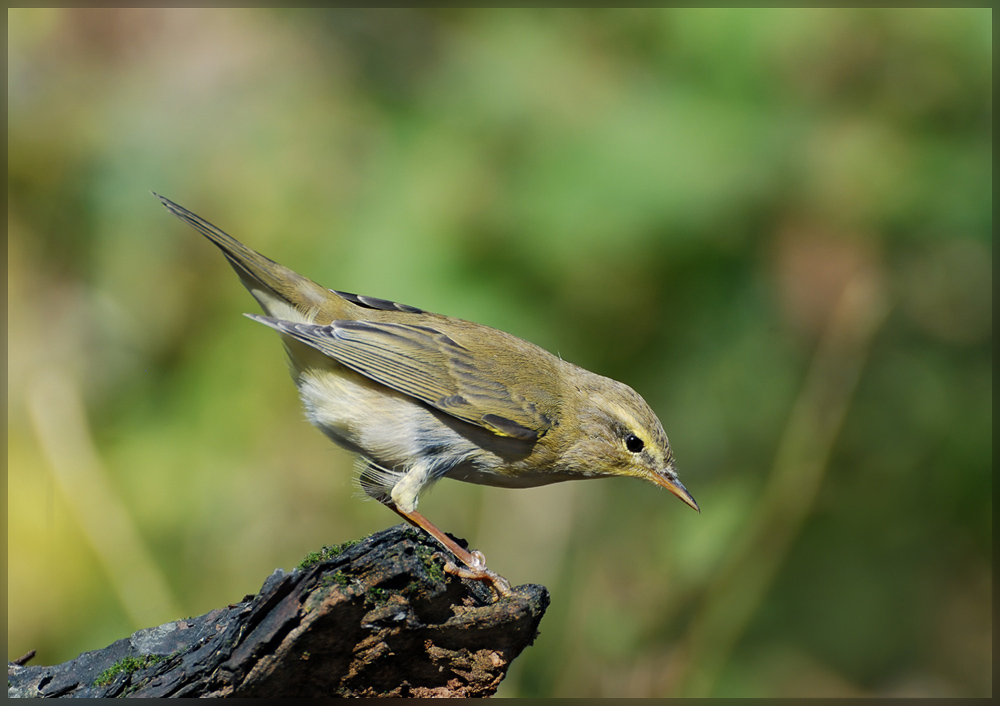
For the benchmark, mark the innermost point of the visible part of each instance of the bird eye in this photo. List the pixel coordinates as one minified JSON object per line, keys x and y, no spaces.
{"x":633,"y":443}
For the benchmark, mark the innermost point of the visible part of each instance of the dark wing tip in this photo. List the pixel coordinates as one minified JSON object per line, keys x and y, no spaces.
{"x":508,"y":427}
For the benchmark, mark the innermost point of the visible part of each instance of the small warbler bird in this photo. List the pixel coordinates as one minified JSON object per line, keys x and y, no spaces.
{"x":421,"y":396}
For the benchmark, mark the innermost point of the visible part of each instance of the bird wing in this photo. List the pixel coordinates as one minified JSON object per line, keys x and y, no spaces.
{"x":425,"y":363}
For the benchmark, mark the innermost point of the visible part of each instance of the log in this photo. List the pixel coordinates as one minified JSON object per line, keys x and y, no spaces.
{"x":375,"y":618}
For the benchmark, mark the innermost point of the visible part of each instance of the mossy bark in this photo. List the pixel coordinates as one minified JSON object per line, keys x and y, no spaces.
{"x":374,"y":618}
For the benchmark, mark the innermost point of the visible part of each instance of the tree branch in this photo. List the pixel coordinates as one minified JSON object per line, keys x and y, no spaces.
{"x":377,"y":618}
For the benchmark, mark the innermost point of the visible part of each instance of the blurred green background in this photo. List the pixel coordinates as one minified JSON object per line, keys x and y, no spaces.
{"x":775,"y":225}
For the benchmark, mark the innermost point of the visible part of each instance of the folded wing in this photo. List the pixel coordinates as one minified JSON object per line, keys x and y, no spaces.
{"x":429,"y":365}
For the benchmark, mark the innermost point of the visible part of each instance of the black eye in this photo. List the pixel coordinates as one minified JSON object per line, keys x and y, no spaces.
{"x":633,"y":443}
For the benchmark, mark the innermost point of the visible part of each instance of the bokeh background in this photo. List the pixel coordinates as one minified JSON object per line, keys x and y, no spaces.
{"x":776,"y":225}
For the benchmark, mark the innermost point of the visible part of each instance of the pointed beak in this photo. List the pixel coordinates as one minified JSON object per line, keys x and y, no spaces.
{"x":678,"y":489}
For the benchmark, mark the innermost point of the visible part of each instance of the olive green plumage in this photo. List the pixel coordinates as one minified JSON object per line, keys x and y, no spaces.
{"x":421,"y":396}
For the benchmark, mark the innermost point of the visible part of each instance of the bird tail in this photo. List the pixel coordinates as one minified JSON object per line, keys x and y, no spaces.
{"x":273,"y":285}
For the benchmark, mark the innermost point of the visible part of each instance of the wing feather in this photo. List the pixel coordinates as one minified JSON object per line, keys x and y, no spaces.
{"x":431,"y":366}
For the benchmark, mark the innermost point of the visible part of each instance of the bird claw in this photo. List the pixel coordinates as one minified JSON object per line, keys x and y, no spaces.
{"x":479,"y":572}
{"x":480,"y":559}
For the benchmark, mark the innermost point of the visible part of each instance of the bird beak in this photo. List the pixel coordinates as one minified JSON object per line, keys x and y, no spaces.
{"x":678,"y":489}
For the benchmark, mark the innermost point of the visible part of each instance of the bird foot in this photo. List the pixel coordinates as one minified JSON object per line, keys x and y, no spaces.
{"x":475,"y":562}
{"x":477,"y":571}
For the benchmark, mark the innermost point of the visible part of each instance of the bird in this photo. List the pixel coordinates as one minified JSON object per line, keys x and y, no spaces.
{"x":420,"y":396}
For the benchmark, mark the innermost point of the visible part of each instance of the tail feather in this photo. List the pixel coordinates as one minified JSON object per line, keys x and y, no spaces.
{"x":266,"y":280}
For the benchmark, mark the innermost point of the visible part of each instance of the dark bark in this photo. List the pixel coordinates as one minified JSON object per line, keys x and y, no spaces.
{"x":378,"y":618}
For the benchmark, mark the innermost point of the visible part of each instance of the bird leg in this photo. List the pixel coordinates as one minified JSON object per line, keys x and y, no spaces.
{"x":474,"y":560}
